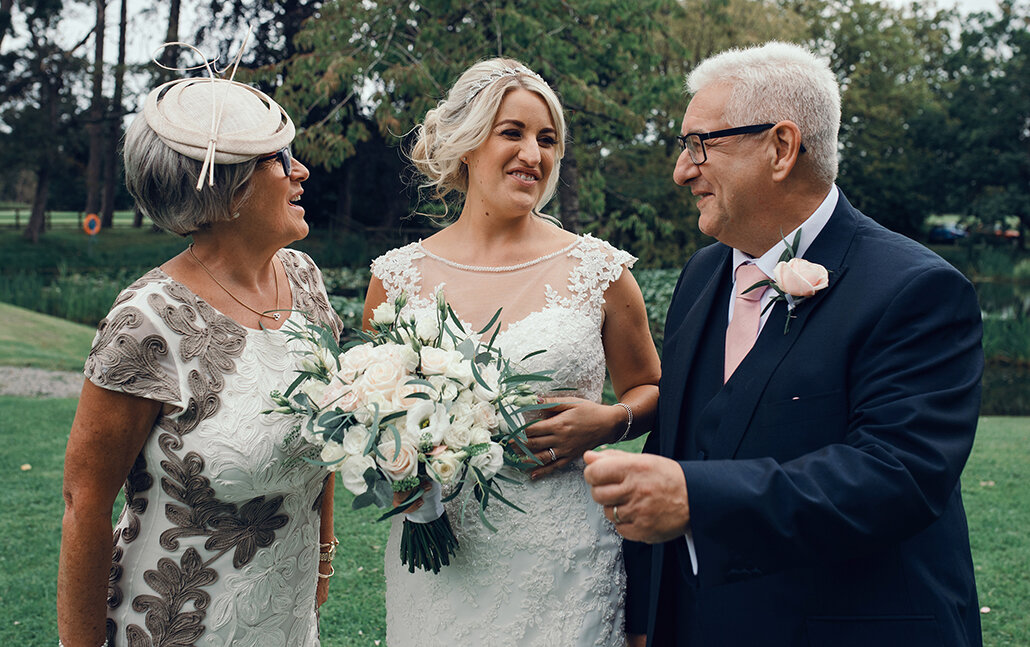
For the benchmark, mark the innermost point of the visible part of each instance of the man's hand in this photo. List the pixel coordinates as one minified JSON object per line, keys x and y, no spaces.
{"x":648,"y":493}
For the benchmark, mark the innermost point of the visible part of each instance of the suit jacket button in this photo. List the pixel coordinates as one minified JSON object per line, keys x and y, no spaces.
{"x":701,"y":455}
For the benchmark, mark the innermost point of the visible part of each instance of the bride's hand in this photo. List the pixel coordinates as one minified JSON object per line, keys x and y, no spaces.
{"x":401,"y":497}
{"x":569,"y":428}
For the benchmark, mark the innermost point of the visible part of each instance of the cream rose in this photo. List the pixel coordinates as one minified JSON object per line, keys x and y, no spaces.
{"x":397,"y":464}
{"x":491,"y":376}
{"x":427,"y":329}
{"x":314,"y":389}
{"x":485,"y":415}
{"x":460,"y":369}
{"x":479,"y":435}
{"x":354,"y":362}
{"x":352,"y":473}
{"x":334,"y":394}
{"x":800,"y":278}
{"x":383,"y":374}
{"x":445,"y":466}
{"x":490,"y":461}
{"x":436,"y":360}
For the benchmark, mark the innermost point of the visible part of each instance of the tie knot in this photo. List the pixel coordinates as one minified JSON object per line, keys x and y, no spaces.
{"x":746,"y":276}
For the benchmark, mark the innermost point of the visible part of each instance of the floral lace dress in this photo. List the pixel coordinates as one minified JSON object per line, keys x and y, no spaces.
{"x":554,"y":575}
{"x":218,"y":540}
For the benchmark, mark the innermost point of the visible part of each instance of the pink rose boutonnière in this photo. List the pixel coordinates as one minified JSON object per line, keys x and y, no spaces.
{"x":794,"y":280}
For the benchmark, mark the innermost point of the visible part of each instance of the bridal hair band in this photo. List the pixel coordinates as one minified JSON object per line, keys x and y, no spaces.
{"x":477,"y":87}
{"x":213,"y":120}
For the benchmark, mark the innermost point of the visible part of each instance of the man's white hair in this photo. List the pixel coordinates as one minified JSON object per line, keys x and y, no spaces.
{"x":776,"y":82}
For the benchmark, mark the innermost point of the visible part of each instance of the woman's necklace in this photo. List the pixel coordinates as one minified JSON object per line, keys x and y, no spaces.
{"x":275,"y":275}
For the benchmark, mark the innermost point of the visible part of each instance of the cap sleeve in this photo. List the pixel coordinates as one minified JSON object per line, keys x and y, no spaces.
{"x":398,"y":272}
{"x":600,"y":265}
{"x":131,"y":352}
{"x":311,"y":296}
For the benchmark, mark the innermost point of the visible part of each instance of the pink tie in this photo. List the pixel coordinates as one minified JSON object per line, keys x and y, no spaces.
{"x":747,"y":312}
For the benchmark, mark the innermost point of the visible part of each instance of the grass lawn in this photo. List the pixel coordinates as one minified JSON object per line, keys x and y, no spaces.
{"x":29,"y":338}
{"x":996,"y":485}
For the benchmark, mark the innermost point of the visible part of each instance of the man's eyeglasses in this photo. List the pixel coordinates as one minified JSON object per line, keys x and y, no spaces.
{"x":694,"y":143}
{"x":284,"y":156}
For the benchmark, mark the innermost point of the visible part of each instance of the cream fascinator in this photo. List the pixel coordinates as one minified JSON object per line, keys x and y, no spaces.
{"x":215,"y":120}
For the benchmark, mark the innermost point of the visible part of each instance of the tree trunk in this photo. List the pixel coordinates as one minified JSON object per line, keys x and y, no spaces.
{"x":95,"y":122}
{"x":37,"y":221}
{"x":114,"y":123}
{"x":170,"y":55}
{"x":568,"y":191}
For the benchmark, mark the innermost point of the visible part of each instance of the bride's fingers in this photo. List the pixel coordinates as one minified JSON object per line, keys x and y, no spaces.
{"x":401,"y":497}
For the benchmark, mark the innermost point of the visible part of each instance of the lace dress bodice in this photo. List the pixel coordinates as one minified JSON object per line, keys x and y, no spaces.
{"x":218,"y":540}
{"x":553,"y":575}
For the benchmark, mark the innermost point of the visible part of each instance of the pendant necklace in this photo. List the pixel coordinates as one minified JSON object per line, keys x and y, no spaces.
{"x":275,"y":275}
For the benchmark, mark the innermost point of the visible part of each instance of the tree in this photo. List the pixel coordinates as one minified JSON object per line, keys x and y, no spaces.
{"x":95,"y":121}
{"x":395,"y":60}
{"x":113,"y":124}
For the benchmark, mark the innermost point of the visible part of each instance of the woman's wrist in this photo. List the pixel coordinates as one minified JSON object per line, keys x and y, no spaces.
{"x":628,"y":424}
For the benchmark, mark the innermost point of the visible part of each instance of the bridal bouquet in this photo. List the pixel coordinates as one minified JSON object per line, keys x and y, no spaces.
{"x":416,"y":401}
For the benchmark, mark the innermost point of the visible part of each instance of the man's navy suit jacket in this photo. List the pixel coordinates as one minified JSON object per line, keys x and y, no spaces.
{"x":823,"y":477}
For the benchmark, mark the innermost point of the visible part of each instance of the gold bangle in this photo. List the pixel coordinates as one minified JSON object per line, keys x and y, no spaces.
{"x":328,"y":550}
{"x":326,"y":576}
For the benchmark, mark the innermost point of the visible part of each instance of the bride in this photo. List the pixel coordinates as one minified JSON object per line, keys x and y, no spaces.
{"x":553,"y":575}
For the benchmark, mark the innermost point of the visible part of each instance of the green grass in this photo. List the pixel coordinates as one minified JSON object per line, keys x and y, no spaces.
{"x":996,"y":485}
{"x":31,"y":339}
{"x":57,"y":218}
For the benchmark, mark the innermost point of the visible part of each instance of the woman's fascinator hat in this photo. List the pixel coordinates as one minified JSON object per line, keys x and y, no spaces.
{"x":215,"y":120}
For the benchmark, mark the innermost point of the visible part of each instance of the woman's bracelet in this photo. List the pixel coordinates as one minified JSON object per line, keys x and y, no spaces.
{"x":328,"y":551}
{"x":629,"y":421}
{"x":321,"y":576}
{"x":61,"y":644}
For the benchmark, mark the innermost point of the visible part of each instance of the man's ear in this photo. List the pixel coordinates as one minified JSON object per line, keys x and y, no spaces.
{"x":787,"y":146}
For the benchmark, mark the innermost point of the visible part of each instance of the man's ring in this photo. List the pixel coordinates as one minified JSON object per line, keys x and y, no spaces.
{"x":615,"y":515}
{"x":554,"y":457}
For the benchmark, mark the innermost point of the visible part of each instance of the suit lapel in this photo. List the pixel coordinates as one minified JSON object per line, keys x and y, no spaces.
{"x":682,"y":345}
{"x":749,"y":381}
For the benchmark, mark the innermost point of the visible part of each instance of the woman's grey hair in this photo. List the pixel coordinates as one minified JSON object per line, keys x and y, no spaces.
{"x":779,"y":82}
{"x":461,"y":122}
{"x":163,"y":183}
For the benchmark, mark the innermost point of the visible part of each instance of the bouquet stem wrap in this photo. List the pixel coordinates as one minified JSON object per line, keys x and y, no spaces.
{"x":427,"y":540}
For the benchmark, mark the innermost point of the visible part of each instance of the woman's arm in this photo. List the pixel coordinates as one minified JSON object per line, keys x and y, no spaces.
{"x":326,"y":537}
{"x":106,"y":437}
{"x":375,"y":295}
{"x":575,"y":425}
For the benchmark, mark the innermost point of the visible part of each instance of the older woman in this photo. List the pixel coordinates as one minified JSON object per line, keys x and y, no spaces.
{"x":226,"y":537}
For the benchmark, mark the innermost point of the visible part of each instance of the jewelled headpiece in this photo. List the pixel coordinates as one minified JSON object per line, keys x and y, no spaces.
{"x":216,"y":121}
{"x":477,"y":87}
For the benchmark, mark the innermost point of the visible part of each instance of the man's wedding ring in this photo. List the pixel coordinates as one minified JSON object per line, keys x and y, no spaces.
{"x":554,"y":457}
{"x":615,"y":515}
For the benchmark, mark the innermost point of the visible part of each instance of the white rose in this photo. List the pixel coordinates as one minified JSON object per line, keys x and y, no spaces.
{"x":397,"y":465}
{"x":334,"y":393}
{"x":385,"y":371}
{"x":435,"y":360}
{"x":406,"y":356}
{"x":445,"y":389}
{"x":490,"y":461}
{"x":384,"y":313}
{"x":485,"y":415}
{"x":402,"y":396}
{"x":355,"y":439}
{"x":491,"y":376}
{"x":458,"y":436}
{"x":445,"y":466}
{"x":333,"y":452}
{"x":479,"y":435}
{"x":314,"y":389}
{"x":352,"y":473}
{"x":354,"y":362}
{"x":427,"y":329}
{"x":460,"y":369}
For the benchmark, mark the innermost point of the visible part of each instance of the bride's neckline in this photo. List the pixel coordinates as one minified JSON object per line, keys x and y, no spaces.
{"x":498,"y":268}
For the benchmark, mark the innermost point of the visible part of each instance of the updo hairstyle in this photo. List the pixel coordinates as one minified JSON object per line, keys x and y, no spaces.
{"x":462,"y":121}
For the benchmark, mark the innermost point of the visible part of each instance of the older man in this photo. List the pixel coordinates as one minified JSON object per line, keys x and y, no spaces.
{"x":802,"y":484}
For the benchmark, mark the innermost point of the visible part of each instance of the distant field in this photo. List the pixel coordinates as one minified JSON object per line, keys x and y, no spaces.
{"x":18,"y":218}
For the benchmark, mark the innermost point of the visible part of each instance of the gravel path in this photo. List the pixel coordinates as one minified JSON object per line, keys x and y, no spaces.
{"x":39,"y":383}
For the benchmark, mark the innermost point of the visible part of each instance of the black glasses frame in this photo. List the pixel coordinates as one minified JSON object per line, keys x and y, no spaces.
{"x":703,"y":137}
{"x":284,"y":156}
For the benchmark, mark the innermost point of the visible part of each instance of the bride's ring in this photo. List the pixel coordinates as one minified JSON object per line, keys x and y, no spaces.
{"x":615,"y":515}
{"x":554,"y":457}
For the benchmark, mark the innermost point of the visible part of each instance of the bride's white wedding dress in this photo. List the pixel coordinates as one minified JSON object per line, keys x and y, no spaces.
{"x":554,"y":575}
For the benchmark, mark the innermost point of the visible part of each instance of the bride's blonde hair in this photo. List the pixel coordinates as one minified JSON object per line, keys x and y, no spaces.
{"x":461,"y":122}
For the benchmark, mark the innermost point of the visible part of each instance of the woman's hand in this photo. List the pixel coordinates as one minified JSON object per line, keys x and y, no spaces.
{"x":636,"y":640}
{"x":322,"y":588}
{"x":569,"y":428}
{"x":401,"y":497}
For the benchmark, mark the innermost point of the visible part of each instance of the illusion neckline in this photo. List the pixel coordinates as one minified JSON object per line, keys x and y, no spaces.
{"x":499,"y":268}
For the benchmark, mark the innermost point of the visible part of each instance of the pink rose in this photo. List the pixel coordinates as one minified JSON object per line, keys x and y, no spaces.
{"x":800,"y":278}
{"x":397,"y":464}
